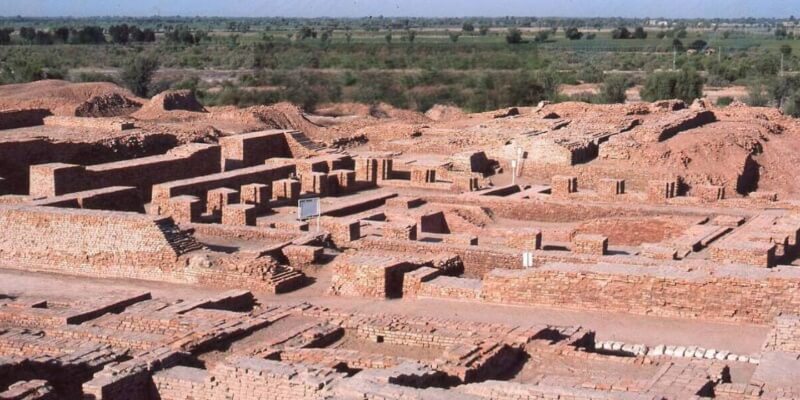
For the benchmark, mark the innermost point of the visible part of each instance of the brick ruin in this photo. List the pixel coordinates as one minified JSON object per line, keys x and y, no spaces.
{"x":431,"y":273}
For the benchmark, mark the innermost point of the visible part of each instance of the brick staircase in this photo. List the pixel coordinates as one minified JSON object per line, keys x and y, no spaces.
{"x":179,"y":240}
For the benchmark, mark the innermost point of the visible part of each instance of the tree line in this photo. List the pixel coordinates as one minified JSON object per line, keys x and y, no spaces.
{"x":90,"y":34}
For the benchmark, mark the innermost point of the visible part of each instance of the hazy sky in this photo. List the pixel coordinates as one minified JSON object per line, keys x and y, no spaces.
{"x":414,"y":8}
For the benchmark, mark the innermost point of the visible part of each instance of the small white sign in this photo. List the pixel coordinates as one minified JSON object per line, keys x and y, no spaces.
{"x":307,"y":208}
{"x":527,"y":259}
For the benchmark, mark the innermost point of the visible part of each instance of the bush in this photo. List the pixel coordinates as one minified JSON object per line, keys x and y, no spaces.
{"x":724,"y":101}
{"x":138,"y":74}
{"x":757,"y":95}
{"x":590,"y":74}
{"x":514,"y":36}
{"x":613,"y":89}
{"x":685,"y":85}
{"x":621,"y":33}
{"x":573,"y":34}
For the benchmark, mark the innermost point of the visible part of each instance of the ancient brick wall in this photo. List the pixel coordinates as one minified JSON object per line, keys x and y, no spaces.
{"x":190,"y":160}
{"x":114,"y":198}
{"x":82,"y":238}
{"x":250,"y":149}
{"x":109,"y":124}
{"x":731,"y":293}
{"x":245,"y":379}
{"x":477,"y":260}
{"x":199,"y":186}
{"x":10,"y":119}
{"x":17,"y":156}
{"x":785,"y":334}
{"x":552,"y":211}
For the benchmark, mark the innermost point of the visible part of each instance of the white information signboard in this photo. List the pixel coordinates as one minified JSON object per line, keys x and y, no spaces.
{"x":308,"y":208}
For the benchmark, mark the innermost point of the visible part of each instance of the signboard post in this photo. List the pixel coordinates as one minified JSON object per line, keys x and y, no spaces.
{"x":513,"y":172}
{"x":307,"y":208}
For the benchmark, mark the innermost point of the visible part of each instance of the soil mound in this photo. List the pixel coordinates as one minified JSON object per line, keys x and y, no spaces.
{"x":165,"y":103}
{"x":64,"y":98}
{"x":107,"y":105}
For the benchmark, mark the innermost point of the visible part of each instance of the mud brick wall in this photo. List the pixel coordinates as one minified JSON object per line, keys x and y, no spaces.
{"x":109,"y":124}
{"x":17,"y":156}
{"x":709,"y":193}
{"x":239,"y":214}
{"x":546,"y":151}
{"x":343,"y":232}
{"x":785,"y":334}
{"x":250,"y":149}
{"x":464,"y":183}
{"x":244,"y":232}
{"x":732,"y":293}
{"x":423,"y":175}
{"x":401,"y":230}
{"x":562,"y":186}
{"x":11,"y":119}
{"x":256,"y":194}
{"x":608,"y":188}
{"x":369,"y":276}
{"x":590,"y":244}
{"x":660,"y":190}
{"x":115,"y":198}
{"x":522,"y":238}
{"x":738,"y":252}
{"x":35,"y":389}
{"x":373,"y":169}
{"x":314,"y":182}
{"x":477,"y":260}
{"x":80,"y":239}
{"x":286,"y":189}
{"x":199,"y":186}
{"x":552,"y":211}
{"x":246,"y":379}
{"x":342,"y":180}
{"x":218,"y":198}
{"x":448,"y":287}
{"x":190,"y":160}
{"x":412,"y":281}
{"x":302,"y":256}
{"x":185,"y":209}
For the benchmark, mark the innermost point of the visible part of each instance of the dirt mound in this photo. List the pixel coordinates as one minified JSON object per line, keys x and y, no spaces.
{"x":165,"y":104}
{"x":276,"y":116}
{"x":108,"y":105}
{"x":441,"y":112}
{"x":62,"y":97}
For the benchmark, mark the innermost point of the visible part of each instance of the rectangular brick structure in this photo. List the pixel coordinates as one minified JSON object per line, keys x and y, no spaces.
{"x":562,"y":186}
{"x":219,"y":198}
{"x":590,"y":244}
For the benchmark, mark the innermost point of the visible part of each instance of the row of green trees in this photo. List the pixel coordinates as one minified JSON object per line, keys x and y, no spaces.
{"x":120,"y":34}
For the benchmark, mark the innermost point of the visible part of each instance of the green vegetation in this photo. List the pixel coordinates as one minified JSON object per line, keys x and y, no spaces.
{"x":138,"y":74}
{"x":686,"y":85}
{"x":476,"y":63}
